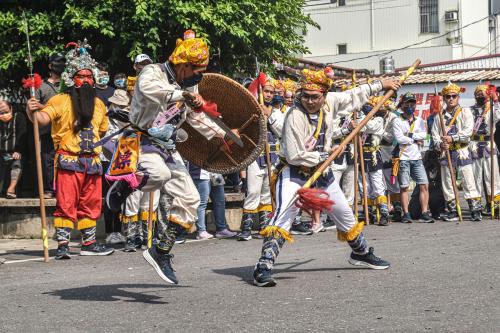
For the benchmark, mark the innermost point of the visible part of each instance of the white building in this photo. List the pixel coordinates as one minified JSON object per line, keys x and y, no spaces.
{"x":352,"y":29}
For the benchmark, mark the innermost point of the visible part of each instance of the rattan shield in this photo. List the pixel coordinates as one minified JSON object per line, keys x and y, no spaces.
{"x":240,"y":111}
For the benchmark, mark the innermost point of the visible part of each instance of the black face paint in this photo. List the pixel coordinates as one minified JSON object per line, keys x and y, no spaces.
{"x":481,"y":100}
{"x":192,"y":81}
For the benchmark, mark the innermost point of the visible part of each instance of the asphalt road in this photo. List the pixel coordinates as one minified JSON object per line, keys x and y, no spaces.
{"x":444,"y":278}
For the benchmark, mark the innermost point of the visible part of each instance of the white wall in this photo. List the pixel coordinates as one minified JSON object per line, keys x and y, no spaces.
{"x":396,"y":23}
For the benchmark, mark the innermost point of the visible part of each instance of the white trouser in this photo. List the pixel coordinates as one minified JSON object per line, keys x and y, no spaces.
{"x":139,"y":201}
{"x":391,"y":188}
{"x":258,"y":191}
{"x":174,"y":180}
{"x":375,"y":184}
{"x":341,"y":214}
{"x":345,"y":173}
{"x":482,"y":171}
{"x":468,"y":182}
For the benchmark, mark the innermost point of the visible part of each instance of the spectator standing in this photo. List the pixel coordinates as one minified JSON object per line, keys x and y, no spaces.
{"x":141,"y":61}
{"x":210,"y":185}
{"x":103,"y":91}
{"x":49,"y":88}
{"x":12,"y":134}
{"x":120,"y":81}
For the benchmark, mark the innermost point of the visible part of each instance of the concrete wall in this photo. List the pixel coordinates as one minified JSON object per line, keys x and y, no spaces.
{"x":392,"y":24}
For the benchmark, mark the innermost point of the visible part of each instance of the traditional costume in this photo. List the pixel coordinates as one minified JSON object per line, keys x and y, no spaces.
{"x":78,"y":120}
{"x":257,"y":203}
{"x":480,"y":145}
{"x":459,"y":124}
{"x":146,"y":156}
{"x":305,"y":144}
{"x":375,"y":182}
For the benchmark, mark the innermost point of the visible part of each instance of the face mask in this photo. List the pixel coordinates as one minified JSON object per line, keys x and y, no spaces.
{"x":57,"y":68}
{"x":192,"y":81}
{"x":481,"y":100}
{"x":103,"y":80}
{"x":120,"y":83}
{"x":277,"y":99}
{"x":409,"y":110}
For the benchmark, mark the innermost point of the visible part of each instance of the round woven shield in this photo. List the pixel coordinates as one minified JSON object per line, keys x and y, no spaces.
{"x":240,"y":111}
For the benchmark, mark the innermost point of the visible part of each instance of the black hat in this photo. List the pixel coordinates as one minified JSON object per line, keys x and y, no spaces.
{"x":408,"y":97}
{"x":57,"y":57}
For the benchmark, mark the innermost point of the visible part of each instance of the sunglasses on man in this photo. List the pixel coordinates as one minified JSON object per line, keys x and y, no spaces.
{"x":450,"y":96}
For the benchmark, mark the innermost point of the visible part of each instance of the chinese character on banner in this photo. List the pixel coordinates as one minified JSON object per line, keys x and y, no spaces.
{"x":419,"y":97}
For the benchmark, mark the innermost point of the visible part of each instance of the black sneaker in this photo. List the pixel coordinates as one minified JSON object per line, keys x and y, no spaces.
{"x":476,"y":216}
{"x":162,"y":263}
{"x":95,"y":249}
{"x":384,"y":220}
{"x":245,"y":235}
{"x":451,"y":217}
{"x":180,"y":240}
{"x":369,"y":260}
{"x":130,"y":246}
{"x":117,"y":194}
{"x":329,"y":225}
{"x":426,"y":218}
{"x":406,"y":218}
{"x":300,"y":229}
{"x":262,"y":276}
{"x":62,"y":252}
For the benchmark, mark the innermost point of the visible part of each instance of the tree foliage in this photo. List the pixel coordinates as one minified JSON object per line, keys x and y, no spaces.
{"x":118,"y":30}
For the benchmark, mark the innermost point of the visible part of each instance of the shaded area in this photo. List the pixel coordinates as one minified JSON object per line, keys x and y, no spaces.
{"x":115,"y":292}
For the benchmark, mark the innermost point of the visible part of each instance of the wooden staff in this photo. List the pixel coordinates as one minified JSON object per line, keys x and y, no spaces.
{"x":356,"y":139}
{"x":451,"y":169}
{"x":363,"y":180}
{"x":38,"y":157}
{"x":492,"y":156}
{"x":150,"y":219}
{"x":340,"y":148}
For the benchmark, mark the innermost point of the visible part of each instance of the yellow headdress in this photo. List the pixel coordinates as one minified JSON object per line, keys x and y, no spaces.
{"x":317,"y":80}
{"x":451,"y":88}
{"x":481,"y":87}
{"x":279,"y":85}
{"x":291,"y":85}
{"x":190,"y":50}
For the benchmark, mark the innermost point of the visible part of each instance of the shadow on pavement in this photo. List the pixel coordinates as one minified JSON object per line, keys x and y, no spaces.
{"x":114,"y":292}
{"x":245,"y":272}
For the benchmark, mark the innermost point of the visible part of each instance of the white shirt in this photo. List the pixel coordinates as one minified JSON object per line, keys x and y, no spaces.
{"x":409,"y":150}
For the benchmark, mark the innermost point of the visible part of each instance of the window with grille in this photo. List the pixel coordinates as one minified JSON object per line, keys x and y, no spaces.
{"x":341,"y":48}
{"x":429,"y":20}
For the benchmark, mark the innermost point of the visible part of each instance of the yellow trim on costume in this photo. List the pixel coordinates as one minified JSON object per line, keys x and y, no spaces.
{"x":175,"y":220}
{"x":61,"y":222}
{"x":85,"y":223}
{"x":320,"y":124}
{"x":145,"y":215}
{"x":395,"y":197}
{"x":352,"y":234}
{"x":275,"y":231}
{"x":265,"y":208}
{"x":370,"y":202}
{"x":126,"y":219}
{"x":381,"y":199}
{"x":250,"y":211}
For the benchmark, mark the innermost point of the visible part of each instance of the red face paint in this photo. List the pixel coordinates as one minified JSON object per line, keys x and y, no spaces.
{"x":83,"y":76}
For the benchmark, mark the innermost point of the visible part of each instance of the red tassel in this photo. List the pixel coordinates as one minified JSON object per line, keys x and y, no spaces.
{"x":435,"y":106}
{"x":32,"y":82}
{"x":210,"y":108}
{"x":262,"y":78}
{"x":313,"y":199}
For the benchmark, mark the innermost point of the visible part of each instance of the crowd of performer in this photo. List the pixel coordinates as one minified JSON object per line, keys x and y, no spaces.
{"x":129,"y":133}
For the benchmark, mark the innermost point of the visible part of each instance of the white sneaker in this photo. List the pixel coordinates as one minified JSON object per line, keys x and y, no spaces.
{"x":204,"y":235}
{"x":317,"y":228}
{"x":115,"y":238}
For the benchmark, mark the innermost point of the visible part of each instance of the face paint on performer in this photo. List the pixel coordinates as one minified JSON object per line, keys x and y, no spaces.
{"x":312,"y":100}
{"x":83,"y":76}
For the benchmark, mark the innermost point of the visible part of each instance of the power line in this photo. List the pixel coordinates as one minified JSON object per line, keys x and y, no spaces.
{"x":356,"y":10}
{"x":415,"y":44}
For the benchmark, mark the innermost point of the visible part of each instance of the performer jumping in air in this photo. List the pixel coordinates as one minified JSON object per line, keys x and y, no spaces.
{"x":305,"y":144}
{"x":164,"y":92}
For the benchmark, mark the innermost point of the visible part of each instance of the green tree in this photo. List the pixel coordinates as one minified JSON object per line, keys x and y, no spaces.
{"x":118,"y":30}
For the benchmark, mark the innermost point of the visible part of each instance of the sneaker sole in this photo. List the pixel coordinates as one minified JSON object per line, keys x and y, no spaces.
{"x":152,"y":262}
{"x":64,"y":257}
{"x":301,"y":233}
{"x":245,"y":238}
{"x":90,"y":253}
{"x":129,"y":250}
{"x":365,"y":264}
{"x":264,"y":284}
{"x":180,"y":242}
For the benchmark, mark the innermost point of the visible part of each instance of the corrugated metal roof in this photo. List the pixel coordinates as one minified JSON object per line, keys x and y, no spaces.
{"x":437,"y":76}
